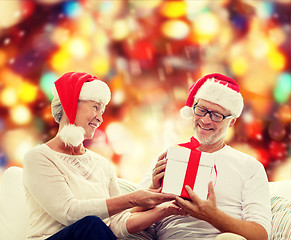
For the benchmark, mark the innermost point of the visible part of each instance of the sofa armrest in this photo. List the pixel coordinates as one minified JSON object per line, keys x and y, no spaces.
{"x":127,"y":186}
{"x":13,"y":209}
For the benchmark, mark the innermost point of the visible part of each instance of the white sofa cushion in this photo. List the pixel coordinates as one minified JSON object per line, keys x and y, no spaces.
{"x":13,"y":210}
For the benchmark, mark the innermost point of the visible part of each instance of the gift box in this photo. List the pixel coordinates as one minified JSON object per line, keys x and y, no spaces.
{"x":187,"y":167}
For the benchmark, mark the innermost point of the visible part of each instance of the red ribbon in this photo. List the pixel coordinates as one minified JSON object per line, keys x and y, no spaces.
{"x":191,"y":172}
{"x":192,"y":166}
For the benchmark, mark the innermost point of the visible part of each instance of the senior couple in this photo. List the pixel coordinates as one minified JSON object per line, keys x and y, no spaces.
{"x":72,"y":192}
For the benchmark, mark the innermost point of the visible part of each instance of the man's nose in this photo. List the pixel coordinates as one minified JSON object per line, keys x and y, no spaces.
{"x":207,"y":118}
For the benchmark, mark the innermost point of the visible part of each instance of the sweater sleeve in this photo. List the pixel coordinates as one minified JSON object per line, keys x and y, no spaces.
{"x":256,"y":196}
{"x":117,"y":221}
{"x":49,"y":189}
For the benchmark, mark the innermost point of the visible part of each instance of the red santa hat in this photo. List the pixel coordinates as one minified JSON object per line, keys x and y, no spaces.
{"x":69,"y":89}
{"x":216,"y":88}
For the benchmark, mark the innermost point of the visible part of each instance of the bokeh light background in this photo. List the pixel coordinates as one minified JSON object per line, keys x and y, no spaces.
{"x":149,"y":52}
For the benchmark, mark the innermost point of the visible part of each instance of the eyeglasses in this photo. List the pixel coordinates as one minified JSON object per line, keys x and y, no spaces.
{"x":214,"y":116}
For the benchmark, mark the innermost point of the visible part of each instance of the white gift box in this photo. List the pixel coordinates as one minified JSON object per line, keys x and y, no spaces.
{"x":182,"y":166}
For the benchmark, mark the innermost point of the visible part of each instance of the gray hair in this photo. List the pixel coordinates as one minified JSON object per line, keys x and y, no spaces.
{"x":57,"y":109}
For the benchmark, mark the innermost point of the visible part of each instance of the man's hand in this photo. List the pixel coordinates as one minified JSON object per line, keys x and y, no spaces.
{"x":198,"y":208}
{"x":159,"y":172}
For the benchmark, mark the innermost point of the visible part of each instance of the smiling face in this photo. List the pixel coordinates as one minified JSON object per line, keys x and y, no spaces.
{"x":89,"y":116}
{"x":211,"y":134}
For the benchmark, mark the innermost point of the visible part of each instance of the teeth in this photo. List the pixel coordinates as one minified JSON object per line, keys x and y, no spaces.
{"x":92,"y":125}
{"x":205,"y":128}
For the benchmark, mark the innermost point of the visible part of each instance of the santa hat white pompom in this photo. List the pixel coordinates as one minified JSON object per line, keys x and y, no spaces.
{"x":186,"y":112}
{"x":72,"y":135}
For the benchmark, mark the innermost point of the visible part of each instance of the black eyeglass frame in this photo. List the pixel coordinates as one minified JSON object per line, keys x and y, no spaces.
{"x":210,"y":113}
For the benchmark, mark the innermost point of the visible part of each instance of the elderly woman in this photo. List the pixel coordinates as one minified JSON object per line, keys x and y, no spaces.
{"x":71,"y":191}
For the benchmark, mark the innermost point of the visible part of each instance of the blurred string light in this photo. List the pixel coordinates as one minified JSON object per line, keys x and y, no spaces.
{"x":118,"y":97}
{"x":60,"y":35}
{"x":265,"y":9}
{"x":17,"y":142}
{"x":145,"y":4}
{"x":100,"y":40}
{"x":78,"y":47}
{"x":239,"y":65}
{"x":277,"y":36}
{"x":205,"y":28}
{"x":106,"y":6}
{"x":72,"y":9}
{"x":101,"y":65}
{"x":47,"y":82}
{"x":173,"y":9}
{"x":120,"y":30}
{"x":8,"y":97}
{"x":60,"y":60}
{"x":10,"y":13}
{"x":195,"y":7}
{"x":20,"y":114}
{"x":284,"y":113}
{"x":86,"y":25}
{"x":27,"y":92}
{"x":282,"y":90}
{"x":175,"y":29}
{"x":276,"y":59}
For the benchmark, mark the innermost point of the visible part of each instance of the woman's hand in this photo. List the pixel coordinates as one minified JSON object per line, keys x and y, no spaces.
{"x":159,"y":171}
{"x":150,"y":198}
{"x":171,"y":208}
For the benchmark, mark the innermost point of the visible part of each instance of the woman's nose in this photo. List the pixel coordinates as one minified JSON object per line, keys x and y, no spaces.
{"x":99,"y":117}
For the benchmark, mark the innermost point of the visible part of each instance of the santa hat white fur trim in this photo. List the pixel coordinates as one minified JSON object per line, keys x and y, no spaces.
{"x":222,"y":95}
{"x":96,"y":90}
{"x":72,"y":135}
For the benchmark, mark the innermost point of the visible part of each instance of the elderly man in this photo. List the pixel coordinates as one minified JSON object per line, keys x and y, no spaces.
{"x":239,"y":203}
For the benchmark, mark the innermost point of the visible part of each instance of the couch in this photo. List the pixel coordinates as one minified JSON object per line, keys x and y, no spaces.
{"x":14,"y":213}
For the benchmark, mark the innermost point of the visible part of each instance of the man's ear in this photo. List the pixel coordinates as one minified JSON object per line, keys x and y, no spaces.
{"x":232,"y":122}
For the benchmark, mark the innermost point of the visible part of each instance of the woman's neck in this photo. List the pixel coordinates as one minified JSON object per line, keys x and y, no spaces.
{"x":58,"y":145}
